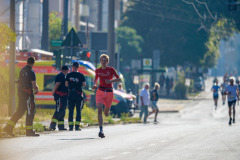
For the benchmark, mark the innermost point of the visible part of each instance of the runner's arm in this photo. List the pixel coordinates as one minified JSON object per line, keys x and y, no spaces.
{"x":117,"y":79}
{"x":95,"y":81}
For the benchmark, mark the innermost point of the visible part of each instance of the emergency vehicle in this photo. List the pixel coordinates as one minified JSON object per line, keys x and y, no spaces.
{"x":46,"y":74}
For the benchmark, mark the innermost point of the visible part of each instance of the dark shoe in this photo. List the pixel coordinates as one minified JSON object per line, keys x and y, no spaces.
{"x":77,"y":129}
{"x":233,"y":120}
{"x":155,"y":122}
{"x":70,"y":129}
{"x":230,"y":121}
{"x":52,"y":127}
{"x":101,"y":134}
{"x":32,"y":134}
{"x":9,"y":131}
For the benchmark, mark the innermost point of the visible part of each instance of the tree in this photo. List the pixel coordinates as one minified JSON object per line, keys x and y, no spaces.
{"x":55,"y":23}
{"x":130,"y":43}
{"x":183,"y":33}
{"x":55,"y":27}
{"x":7,"y":36}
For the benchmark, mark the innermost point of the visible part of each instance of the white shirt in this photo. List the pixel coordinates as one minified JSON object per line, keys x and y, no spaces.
{"x":233,"y":90}
{"x":145,"y":96}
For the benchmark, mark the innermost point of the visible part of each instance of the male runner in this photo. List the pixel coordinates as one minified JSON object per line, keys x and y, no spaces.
{"x":233,"y":94}
{"x":215,"y":89}
{"x":104,"y":95}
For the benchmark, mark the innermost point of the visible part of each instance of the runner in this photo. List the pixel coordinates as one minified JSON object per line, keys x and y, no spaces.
{"x":233,"y":94}
{"x":215,"y":89}
{"x":104,"y":94}
{"x":223,"y":89}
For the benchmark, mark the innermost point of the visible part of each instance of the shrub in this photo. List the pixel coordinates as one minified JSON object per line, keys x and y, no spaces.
{"x":180,"y":90}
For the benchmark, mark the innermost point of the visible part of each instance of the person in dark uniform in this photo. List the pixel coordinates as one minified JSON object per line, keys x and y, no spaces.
{"x":60,"y":96}
{"x":26,"y":84}
{"x":75,"y":81}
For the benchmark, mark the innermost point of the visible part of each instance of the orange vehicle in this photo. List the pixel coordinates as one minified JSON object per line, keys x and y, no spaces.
{"x":46,"y":74}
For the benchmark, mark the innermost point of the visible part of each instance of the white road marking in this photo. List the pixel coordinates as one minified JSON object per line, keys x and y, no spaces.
{"x":125,"y":152}
{"x":139,"y":148}
{"x":153,"y":144}
{"x":163,"y":141}
{"x":110,"y":157}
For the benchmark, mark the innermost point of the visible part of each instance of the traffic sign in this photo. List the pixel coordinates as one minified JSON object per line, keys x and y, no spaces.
{"x":147,"y":63}
{"x":56,"y":43}
{"x":72,"y":40}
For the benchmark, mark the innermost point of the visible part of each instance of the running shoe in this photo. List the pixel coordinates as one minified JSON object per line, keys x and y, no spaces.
{"x":155,"y":122}
{"x":101,"y":134}
{"x":233,"y":120}
{"x":230,"y":121}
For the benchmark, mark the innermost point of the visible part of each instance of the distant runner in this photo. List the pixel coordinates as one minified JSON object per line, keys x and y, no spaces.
{"x":233,"y":93}
{"x":223,"y":89}
{"x":104,"y":95}
{"x":215,"y":89}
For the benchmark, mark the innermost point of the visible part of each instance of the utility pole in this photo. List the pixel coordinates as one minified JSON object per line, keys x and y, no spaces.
{"x":77,"y":19}
{"x":45,"y":27}
{"x":12,"y":102}
{"x":100,"y":8}
{"x":65,"y":28}
{"x":65,"y":17}
{"x":111,"y":34}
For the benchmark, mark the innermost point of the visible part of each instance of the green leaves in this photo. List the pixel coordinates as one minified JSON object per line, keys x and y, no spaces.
{"x":6,"y":36}
{"x":184,"y":32}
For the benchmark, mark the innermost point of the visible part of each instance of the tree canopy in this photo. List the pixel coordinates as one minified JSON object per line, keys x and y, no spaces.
{"x":130,"y":44}
{"x":6,"y":36}
{"x":184,"y":31}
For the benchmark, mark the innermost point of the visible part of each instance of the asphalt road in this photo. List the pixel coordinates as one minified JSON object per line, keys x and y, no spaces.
{"x":197,"y":132}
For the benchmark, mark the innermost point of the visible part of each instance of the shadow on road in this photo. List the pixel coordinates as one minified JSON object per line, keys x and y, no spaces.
{"x":78,"y":139}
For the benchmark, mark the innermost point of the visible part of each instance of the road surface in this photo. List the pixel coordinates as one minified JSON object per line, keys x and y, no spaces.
{"x":197,"y":132}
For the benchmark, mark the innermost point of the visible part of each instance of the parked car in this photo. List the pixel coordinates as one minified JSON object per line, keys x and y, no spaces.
{"x":199,"y":83}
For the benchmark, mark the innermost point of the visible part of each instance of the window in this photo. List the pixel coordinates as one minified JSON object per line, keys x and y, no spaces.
{"x":49,"y":82}
{"x":89,"y":83}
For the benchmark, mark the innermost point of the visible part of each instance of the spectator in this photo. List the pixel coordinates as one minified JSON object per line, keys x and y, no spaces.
{"x":167,"y":86}
{"x":161,"y":81}
{"x":154,"y":99}
{"x":120,"y":87}
{"x":145,"y":101}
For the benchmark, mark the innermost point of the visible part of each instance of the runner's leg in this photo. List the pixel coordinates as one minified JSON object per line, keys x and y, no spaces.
{"x":100,"y":119}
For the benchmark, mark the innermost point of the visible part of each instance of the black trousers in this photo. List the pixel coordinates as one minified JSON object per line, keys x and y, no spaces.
{"x":25,"y":103}
{"x":71,"y":104}
{"x":59,"y":114}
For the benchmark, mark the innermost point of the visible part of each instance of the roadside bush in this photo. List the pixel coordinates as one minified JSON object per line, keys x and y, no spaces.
{"x":180,"y":90}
